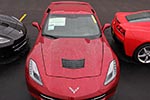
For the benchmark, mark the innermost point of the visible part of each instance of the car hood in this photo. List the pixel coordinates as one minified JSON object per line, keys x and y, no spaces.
{"x":72,"y":49}
{"x":11,"y":28}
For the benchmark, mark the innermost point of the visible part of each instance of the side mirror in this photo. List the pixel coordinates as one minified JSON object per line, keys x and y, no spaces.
{"x":35,"y":24}
{"x":107,"y":25}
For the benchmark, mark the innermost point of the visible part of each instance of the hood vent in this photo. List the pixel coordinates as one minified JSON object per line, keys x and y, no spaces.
{"x":73,"y":64}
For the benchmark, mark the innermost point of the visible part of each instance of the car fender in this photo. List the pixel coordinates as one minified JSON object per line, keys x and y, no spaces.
{"x":135,"y":38}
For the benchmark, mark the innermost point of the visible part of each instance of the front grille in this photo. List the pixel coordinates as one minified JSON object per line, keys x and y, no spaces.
{"x":44,"y":97}
{"x":19,"y":40}
{"x":13,"y":49}
{"x":17,"y":47}
{"x":104,"y":95}
{"x":98,"y":97}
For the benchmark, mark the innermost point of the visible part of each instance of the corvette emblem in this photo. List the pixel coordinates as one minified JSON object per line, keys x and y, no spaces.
{"x":74,"y":90}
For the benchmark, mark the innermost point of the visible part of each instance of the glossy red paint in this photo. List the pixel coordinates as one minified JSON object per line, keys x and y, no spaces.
{"x":71,"y":84}
{"x":76,"y":48}
{"x":74,"y":7}
{"x":136,"y":33}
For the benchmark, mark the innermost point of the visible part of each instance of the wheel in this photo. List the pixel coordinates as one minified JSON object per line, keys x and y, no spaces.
{"x":142,"y":54}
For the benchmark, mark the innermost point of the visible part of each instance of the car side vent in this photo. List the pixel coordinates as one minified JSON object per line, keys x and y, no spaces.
{"x":73,"y":64}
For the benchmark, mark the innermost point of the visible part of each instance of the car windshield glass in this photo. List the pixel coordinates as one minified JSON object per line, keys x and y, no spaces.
{"x":71,"y":25}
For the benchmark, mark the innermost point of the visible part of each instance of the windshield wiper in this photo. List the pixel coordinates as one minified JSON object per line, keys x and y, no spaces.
{"x":51,"y":36}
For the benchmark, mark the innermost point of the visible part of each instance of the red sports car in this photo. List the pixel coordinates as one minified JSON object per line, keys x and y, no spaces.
{"x":71,"y":58}
{"x":133,"y":30}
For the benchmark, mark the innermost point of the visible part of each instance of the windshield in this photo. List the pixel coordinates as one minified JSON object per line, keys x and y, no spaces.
{"x":71,"y":25}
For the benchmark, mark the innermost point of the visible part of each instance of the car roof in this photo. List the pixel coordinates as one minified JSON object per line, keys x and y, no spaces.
{"x":70,"y":7}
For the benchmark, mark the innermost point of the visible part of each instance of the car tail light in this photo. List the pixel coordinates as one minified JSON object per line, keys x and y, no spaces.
{"x":115,"y":21}
{"x":120,"y":29}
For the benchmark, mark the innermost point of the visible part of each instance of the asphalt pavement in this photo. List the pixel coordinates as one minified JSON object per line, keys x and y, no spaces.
{"x":134,"y":81}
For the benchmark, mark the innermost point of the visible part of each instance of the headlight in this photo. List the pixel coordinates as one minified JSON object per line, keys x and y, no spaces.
{"x":111,"y":74}
{"x":3,"y":40}
{"x":33,"y":72}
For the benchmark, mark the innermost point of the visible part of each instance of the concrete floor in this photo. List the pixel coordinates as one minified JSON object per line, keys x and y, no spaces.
{"x":134,"y":81}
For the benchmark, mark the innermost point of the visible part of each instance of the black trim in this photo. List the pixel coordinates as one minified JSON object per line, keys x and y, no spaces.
{"x":115,"y":37}
{"x":104,"y":95}
{"x":138,"y":16}
{"x":11,"y":28}
{"x":93,"y":11}
{"x":45,"y":97}
{"x":73,"y":64}
{"x":48,"y":10}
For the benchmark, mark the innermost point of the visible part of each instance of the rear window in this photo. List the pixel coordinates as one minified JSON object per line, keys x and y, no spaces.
{"x":71,"y":25}
{"x":139,"y":17}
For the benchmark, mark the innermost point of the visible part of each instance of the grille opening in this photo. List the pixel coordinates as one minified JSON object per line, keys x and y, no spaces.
{"x":45,"y":97}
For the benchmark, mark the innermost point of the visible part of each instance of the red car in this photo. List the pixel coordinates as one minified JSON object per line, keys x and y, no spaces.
{"x":133,"y":30}
{"x":71,"y":58}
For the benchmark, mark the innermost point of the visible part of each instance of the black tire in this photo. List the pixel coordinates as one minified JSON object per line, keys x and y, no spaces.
{"x":114,"y":97}
{"x":32,"y":98}
{"x":142,"y":54}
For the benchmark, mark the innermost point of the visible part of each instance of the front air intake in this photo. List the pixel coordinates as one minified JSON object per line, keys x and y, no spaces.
{"x":73,"y":64}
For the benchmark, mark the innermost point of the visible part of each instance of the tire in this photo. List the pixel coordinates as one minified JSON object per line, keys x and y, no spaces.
{"x":114,"y":97}
{"x":142,"y":54}
{"x":32,"y":98}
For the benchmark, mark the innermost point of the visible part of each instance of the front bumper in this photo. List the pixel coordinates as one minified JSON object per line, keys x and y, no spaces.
{"x":104,"y":96}
{"x":12,"y":52}
{"x":40,"y":96}
{"x":41,"y":93}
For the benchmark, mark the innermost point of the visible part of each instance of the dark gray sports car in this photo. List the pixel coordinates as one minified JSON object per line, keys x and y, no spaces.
{"x":13,"y":38}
